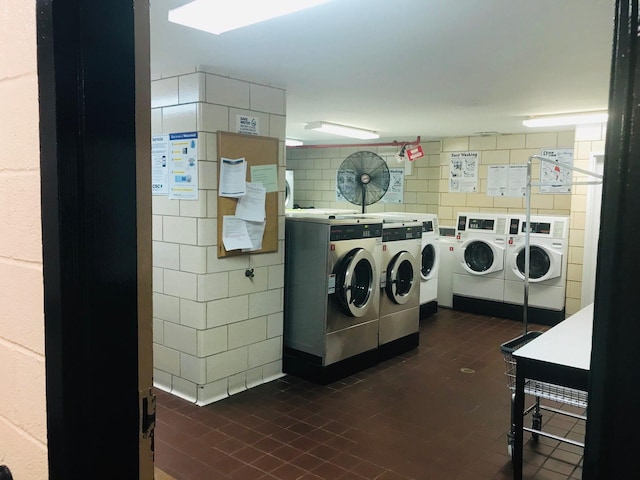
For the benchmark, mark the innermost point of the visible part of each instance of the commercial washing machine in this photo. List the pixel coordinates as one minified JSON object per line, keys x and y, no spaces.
{"x":400,"y":287}
{"x":429,"y":258}
{"x":478,"y":276}
{"x":549,"y":246}
{"x":332,"y":295}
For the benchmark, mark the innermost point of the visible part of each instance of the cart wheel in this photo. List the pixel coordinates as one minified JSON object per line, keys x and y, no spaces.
{"x":536,"y":424}
{"x":510,"y":442}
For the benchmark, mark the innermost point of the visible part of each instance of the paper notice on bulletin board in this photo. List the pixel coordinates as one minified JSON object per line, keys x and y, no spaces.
{"x":183,"y":166}
{"x":463,"y":172}
{"x":507,"y":180}
{"x":553,"y":177}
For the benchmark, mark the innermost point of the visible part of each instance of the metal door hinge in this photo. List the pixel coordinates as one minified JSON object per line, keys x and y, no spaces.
{"x":148,"y":415}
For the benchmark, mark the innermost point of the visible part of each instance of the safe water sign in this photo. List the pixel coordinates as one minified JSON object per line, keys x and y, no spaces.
{"x":247,"y":125}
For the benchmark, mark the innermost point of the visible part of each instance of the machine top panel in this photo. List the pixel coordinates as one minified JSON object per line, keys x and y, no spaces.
{"x":401,"y":233}
{"x":353,"y":232}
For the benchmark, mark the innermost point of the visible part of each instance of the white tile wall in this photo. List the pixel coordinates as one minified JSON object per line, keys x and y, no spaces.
{"x":227,"y":91}
{"x":180,"y":284}
{"x":227,"y":310}
{"x":166,"y":307}
{"x":226,"y":364}
{"x":193,"y":314}
{"x":264,"y":303}
{"x":202,"y":303}
{"x":213,"y":286}
{"x":267,"y":99}
{"x":179,"y":337}
{"x":193,"y":368}
{"x":247,"y":332}
{"x":212,"y":341}
{"x":212,"y":392}
{"x":180,"y":118}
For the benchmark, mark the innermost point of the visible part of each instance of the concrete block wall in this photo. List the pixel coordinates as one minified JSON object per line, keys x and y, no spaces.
{"x":427,"y":184}
{"x":23,"y":421}
{"x":315,"y":177}
{"x":216,"y":332}
{"x":497,"y":150}
{"x":589,"y":139}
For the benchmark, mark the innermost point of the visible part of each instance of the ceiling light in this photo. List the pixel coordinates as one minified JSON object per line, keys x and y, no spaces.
{"x":566,"y":119}
{"x":290,"y":142}
{"x":223,"y":15}
{"x":342,"y":130}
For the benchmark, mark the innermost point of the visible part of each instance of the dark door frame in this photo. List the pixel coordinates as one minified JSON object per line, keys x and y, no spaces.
{"x":614,"y":392}
{"x":90,"y":123}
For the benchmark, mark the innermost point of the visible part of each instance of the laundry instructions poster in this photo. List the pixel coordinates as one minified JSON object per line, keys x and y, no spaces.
{"x":507,"y":180}
{"x":553,"y":177}
{"x":463,"y":172}
{"x":183,"y":166}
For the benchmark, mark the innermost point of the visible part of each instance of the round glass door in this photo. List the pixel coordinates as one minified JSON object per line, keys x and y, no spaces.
{"x":355,"y":279}
{"x":539,"y":262}
{"x":428,"y":260}
{"x":478,"y":257}
{"x":400,"y":278}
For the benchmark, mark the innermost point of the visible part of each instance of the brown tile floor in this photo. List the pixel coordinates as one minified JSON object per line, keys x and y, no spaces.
{"x":416,"y":416}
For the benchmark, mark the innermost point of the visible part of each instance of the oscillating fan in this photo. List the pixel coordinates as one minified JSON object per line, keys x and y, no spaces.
{"x":363,"y":178}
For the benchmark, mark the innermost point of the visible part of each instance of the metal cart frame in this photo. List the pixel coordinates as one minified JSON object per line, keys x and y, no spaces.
{"x":538,"y":389}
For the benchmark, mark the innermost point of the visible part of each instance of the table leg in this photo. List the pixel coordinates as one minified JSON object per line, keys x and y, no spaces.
{"x":518,"y":408}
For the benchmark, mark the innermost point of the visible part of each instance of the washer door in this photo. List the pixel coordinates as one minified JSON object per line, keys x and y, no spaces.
{"x":400,"y":278}
{"x":544,"y":264}
{"x":479,"y":257}
{"x":429,"y":258}
{"x":355,"y":281}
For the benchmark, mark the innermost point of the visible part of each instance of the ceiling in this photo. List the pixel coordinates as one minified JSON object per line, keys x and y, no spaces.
{"x":408,"y":68}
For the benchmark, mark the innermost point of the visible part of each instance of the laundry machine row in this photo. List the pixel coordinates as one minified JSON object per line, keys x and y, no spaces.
{"x":488,"y":276}
{"x":351,"y":293}
{"x":429,"y":257}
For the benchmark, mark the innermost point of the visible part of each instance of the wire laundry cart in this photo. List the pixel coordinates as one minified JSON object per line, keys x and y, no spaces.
{"x":539,"y":390}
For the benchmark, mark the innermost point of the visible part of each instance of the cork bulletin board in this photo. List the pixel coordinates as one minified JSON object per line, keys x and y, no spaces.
{"x":256,"y":150}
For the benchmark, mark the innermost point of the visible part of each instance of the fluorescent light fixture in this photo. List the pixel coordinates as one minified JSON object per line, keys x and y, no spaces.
{"x":566,"y":119}
{"x":290,"y":142}
{"x":219,"y":16}
{"x":342,"y":130}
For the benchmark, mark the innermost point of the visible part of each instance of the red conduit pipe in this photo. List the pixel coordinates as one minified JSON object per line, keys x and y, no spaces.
{"x":395,"y":143}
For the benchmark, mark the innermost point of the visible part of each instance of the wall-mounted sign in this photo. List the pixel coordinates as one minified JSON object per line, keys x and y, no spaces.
{"x":247,"y":125}
{"x":463,"y":172}
{"x":414,"y":153}
{"x":554,"y":178}
{"x":507,"y":180}
{"x":183,"y":166}
{"x":159,"y":165}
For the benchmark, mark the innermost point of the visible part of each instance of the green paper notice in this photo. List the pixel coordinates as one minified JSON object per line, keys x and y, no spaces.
{"x":267,"y":175}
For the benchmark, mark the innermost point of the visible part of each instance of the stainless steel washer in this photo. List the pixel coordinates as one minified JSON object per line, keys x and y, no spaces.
{"x":332,"y":297}
{"x":400,"y":286}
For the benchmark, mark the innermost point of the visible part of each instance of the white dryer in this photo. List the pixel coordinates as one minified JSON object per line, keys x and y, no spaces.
{"x":478,"y":276}
{"x":331,"y":295}
{"x":400,"y":286}
{"x":429,"y":258}
{"x":549,"y":246}
{"x":288,"y":193}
